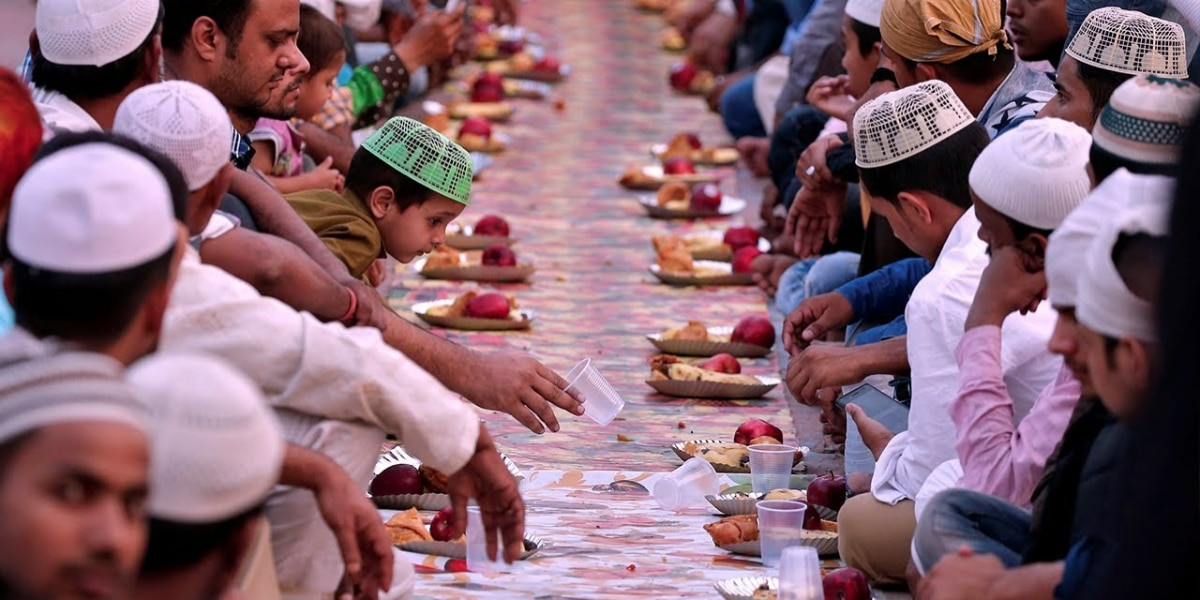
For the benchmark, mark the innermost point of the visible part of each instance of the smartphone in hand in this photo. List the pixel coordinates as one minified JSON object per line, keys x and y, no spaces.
{"x":878,"y":405}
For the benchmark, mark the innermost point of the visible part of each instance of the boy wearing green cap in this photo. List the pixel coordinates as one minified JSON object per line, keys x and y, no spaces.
{"x":404,"y":185}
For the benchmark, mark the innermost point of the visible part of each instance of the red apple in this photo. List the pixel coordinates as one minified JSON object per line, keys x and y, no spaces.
{"x":812,"y":519}
{"x":499,"y":255}
{"x":742,"y":259}
{"x":693,"y":140}
{"x":828,"y":491}
{"x":442,"y":525}
{"x":740,"y":237}
{"x":487,"y":93}
{"x":396,"y":480}
{"x":490,"y":79}
{"x":722,"y":363}
{"x":479,"y":126}
{"x":678,"y":166}
{"x":488,"y":306}
{"x":681,"y":76}
{"x":846,"y":583}
{"x":754,"y":330}
{"x":754,"y":429}
{"x":510,"y":46}
{"x":491,"y":225}
{"x":548,"y":63}
{"x":706,"y":197}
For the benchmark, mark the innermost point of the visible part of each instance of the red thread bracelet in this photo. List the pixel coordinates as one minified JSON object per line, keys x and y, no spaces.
{"x":353,"y":306}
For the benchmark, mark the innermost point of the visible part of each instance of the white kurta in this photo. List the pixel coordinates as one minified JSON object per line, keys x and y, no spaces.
{"x":935,"y":314}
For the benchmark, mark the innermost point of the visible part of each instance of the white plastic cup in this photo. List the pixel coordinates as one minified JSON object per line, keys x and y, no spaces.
{"x":601,"y":402}
{"x":771,"y":467}
{"x":477,"y":556}
{"x":800,"y":574}
{"x":780,"y":525}
{"x":687,"y":485}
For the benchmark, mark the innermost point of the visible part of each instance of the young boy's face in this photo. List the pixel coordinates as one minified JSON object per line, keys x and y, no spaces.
{"x":419,"y":229}
{"x":1119,"y":373}
{"x":858,"y":66}
{"x":1072,"y":102}
{"x":317,"y":88}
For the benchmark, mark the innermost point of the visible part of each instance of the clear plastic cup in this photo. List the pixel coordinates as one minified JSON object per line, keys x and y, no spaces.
{"x":780,"y":523}
{"x":800,"y":574}
{"x":602,"y":403}
{"x":771,"y":467}
{"x":477,"y":556}
{"x":687,"y":485}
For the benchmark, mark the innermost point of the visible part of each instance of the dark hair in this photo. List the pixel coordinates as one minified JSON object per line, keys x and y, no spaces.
{"x":320,"y":40}
{"x":172,"y":546}
{"x":9,"y":449}
{"x":1021,"y":231}
{"x":87,"y":81}
{"x":1100,"y":84}
{"x":867,"y":36}
{"x":367,"y":172}
{"x":940,"y":169}
{"x":229,"y":15}
{"x":1105,"y":163}
{"x":1138,"y":258}
{"x":976,"y":69}
{"x":92,"y":307}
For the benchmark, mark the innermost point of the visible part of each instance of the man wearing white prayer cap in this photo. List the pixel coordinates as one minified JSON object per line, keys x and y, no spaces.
{"x":88,"y":55}
{"x":93,"y":243}
{"x":204,"y":506}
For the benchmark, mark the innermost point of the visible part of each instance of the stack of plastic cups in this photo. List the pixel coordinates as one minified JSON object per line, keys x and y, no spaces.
{"x":688,"y":485}
{"x":800,"y":574}
{"x":600,"y":401}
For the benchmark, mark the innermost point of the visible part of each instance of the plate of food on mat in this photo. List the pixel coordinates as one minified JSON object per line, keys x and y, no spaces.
{"x":682,"y":200}
{"x":475,"y":311}
{"x":497,"y":111}
{"x":717,"y":378}
{"x":497,"y":263}
{"x":752,"y":337}
{"x":528,"y":65}
{"x":475,"y":135}
{"x":672,"y":40}
{"x":714,"y":244}
{"x":652,"y":5}
{"x":730,"y":457}
{"x":401,"y":482}
{"x":502,"y":41}
{"x":748,"y":588}
{"x":652,"y":177}
{"x":738,"y":534}
{"x":685,"y":78}
{"x":746,"y":503}
{"x":688,"y":146}
{"x":674,"y":265}
{"x":491,"y":230}
{"x":408,"y":531}
{"x":529,"y":90}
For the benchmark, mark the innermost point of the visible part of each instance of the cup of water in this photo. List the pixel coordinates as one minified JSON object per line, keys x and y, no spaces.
{"x":600,"y":401}
{"x":780,"y":525}
{"x":687,"y":485}
{"x":771,"y":466}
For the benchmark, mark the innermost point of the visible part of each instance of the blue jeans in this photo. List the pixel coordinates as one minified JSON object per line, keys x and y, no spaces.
{"x":739,"y":112}
{"x":813,"y":277}
{"x":986,"y":524}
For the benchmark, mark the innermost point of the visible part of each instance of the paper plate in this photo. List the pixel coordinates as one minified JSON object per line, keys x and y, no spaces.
{"x":735,"y":504}
{"x":719,"y":252}
{"x":711,"y":390}
{"x":475,"y":272}
{"x":722,"y":156}
{"x":498,"y":112}
{"x":536,"y":75}
{"x":528,"y":89}
{"x":652,"y":177}
{"x":677,"y":448}
{"x":681,"y":279}
{"x":729,"y":206}
{"x":431,"y":501}
{"x":706,"y":348}
{"x":744,"y":548}
{"x":462,"y":237}
{"x":825,"y":545}
{"x":743,"y":588}
{"x":533,"y":545}
{"x":421,"y":309}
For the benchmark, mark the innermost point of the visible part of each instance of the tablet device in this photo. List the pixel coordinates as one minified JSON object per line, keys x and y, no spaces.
{"x":878,"y":406}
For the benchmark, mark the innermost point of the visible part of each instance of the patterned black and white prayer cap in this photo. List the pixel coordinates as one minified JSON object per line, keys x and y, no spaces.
{"x":1147,"y":119}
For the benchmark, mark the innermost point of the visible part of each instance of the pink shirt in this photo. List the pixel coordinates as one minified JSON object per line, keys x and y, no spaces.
{"x":999,"y":458}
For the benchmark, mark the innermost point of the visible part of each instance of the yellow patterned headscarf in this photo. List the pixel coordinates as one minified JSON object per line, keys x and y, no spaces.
{"x":942,"y":31}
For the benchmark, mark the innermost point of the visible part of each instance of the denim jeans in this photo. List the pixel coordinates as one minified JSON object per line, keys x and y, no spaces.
{"x":738,"y":111}
{"x":813,"y":277}
{"x":798,"y":128}
{"x":986,"y":524}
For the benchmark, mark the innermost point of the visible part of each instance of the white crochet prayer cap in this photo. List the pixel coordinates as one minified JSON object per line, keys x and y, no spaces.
{"x":216,"y":448}
{"x":1106,"y":305}
{"x":184,"y":122}
{"x":93,"y":32}
{"x":1035,"y":174}
{"x":865,"y":11}
{"x":904,"y":123}
{"x":92,"y":208}
{"x":1147,"y":119}
{"x":65,"y":387}
{"x":362,"y":14}
{"x":1127,"y":41}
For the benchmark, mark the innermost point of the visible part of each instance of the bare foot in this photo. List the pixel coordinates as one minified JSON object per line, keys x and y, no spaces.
{"x":754,"y":155}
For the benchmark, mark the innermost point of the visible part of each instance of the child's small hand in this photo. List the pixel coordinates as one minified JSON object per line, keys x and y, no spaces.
{"x":377,"y":272}
{"x":326,"y":177}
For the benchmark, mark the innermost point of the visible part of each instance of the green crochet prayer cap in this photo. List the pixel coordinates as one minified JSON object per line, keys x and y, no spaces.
{"x":428,"y":157}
